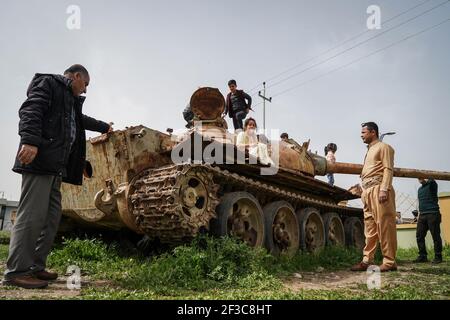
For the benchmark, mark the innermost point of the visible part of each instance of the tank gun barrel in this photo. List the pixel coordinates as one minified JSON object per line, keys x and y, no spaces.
{"x":353,"y":168}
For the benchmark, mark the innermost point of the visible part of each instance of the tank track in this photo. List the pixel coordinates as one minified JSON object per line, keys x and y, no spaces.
{"x":156,"y":202}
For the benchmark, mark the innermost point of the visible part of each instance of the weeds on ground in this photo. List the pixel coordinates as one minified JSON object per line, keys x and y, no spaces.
{"x":207,"y":263}
{"x":4,"y":237}
{"x":329,"y":259}
{"x":211,"y":268}
{"x":95,"y":258}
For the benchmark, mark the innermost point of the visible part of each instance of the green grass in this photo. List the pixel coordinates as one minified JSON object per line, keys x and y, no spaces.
{"x":211,"y":268}
{"x":4,"y":237}
{"x":95,"y":259}
{"x":3,"y":252}
{"x":328,"y":259}
{"x":205,"y":264}
{"x":412,"y":253}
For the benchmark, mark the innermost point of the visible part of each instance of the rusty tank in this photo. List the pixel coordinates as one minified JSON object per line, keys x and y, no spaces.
{"x":171,"y":187}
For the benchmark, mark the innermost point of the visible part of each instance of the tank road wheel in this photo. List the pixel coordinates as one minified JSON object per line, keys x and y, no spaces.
{"x":193,"y":195}
{"x":354,"y":233}
{"x":240,"y":215}
{"x":281,"y":228}
{"x":334,"y":229}
{"x":312,"y":231}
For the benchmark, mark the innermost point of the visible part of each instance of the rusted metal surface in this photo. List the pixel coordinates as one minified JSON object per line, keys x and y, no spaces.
{"x":344,"y":168}
{"x":172,"y":203}
{"x":115,"y":159}
{"x":136,"y":185}
{"x":356,"y":169}
{"x":295,"y":158}
{"x":207,"y":103}
{"x":132,"y":184}
{"x":160,"y":204}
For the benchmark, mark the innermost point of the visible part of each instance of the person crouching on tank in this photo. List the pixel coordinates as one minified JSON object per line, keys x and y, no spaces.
{"x":252,"y":143}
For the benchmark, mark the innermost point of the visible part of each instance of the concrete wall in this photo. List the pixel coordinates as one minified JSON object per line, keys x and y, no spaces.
{"x":406,"y":236}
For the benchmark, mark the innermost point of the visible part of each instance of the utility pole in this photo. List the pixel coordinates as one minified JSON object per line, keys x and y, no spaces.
{"x":263,"y":96}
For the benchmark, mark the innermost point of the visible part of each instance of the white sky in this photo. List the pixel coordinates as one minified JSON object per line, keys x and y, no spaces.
{"x":147,"y":57}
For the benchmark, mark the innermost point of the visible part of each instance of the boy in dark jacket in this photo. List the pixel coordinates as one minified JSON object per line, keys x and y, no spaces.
{"x":238,"y":105}
{"x":52,"y":149}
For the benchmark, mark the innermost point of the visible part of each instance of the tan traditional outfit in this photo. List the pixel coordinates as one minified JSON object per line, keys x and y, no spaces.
{"x":379,"y":218}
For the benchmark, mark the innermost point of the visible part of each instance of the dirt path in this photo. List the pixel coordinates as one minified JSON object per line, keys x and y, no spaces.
{"x":308,"y":280}
{"x":56,"y":290}
{"x":319,"y":280}
{"x":345,"y":279}
{"x":324,"y":280}
{"x":305,"y":280}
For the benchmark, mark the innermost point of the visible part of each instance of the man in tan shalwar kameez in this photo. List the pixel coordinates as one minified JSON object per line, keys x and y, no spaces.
{"x":378,"y":198}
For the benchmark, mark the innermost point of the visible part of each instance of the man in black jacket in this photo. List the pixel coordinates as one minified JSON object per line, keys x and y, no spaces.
{"x":238,"y":104}
{"x":429,"y":219}
{"x":52,"y":149}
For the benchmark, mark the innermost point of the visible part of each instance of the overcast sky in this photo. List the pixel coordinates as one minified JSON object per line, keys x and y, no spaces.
{"x":147,"y":57}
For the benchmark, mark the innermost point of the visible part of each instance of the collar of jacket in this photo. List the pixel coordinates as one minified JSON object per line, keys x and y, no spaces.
{"x":373,"y":143}
{"x":68,"y":84}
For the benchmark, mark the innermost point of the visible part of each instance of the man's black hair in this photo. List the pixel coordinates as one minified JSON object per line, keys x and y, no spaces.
{"x":284,"y":135}
{"x":371,"y":126}
{"x":232,"y":82}
{"x":77,"y":68}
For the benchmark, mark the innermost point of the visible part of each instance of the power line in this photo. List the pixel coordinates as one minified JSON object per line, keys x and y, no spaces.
{"x":364,"y":57}
{"x":359,"y":59}
{"x":357,"y":45}
{"x":337,"y":46}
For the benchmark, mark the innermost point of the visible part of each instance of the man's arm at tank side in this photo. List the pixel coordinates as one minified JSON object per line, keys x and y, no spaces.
{"x":92,"y":124}
{"x":387,"y":158}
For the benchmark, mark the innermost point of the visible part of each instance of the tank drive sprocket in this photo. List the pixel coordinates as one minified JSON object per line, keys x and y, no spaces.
{"x":174,"y":202}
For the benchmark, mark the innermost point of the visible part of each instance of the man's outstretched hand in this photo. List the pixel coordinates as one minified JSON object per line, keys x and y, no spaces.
{"x":27,"y":153}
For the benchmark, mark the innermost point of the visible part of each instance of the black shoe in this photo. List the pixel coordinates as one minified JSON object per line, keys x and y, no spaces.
{"x":420,"y":259}
{"x":437,"y":260}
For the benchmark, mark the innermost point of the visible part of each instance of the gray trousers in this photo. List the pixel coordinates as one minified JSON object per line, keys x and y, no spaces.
{"x":37,"y":221}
